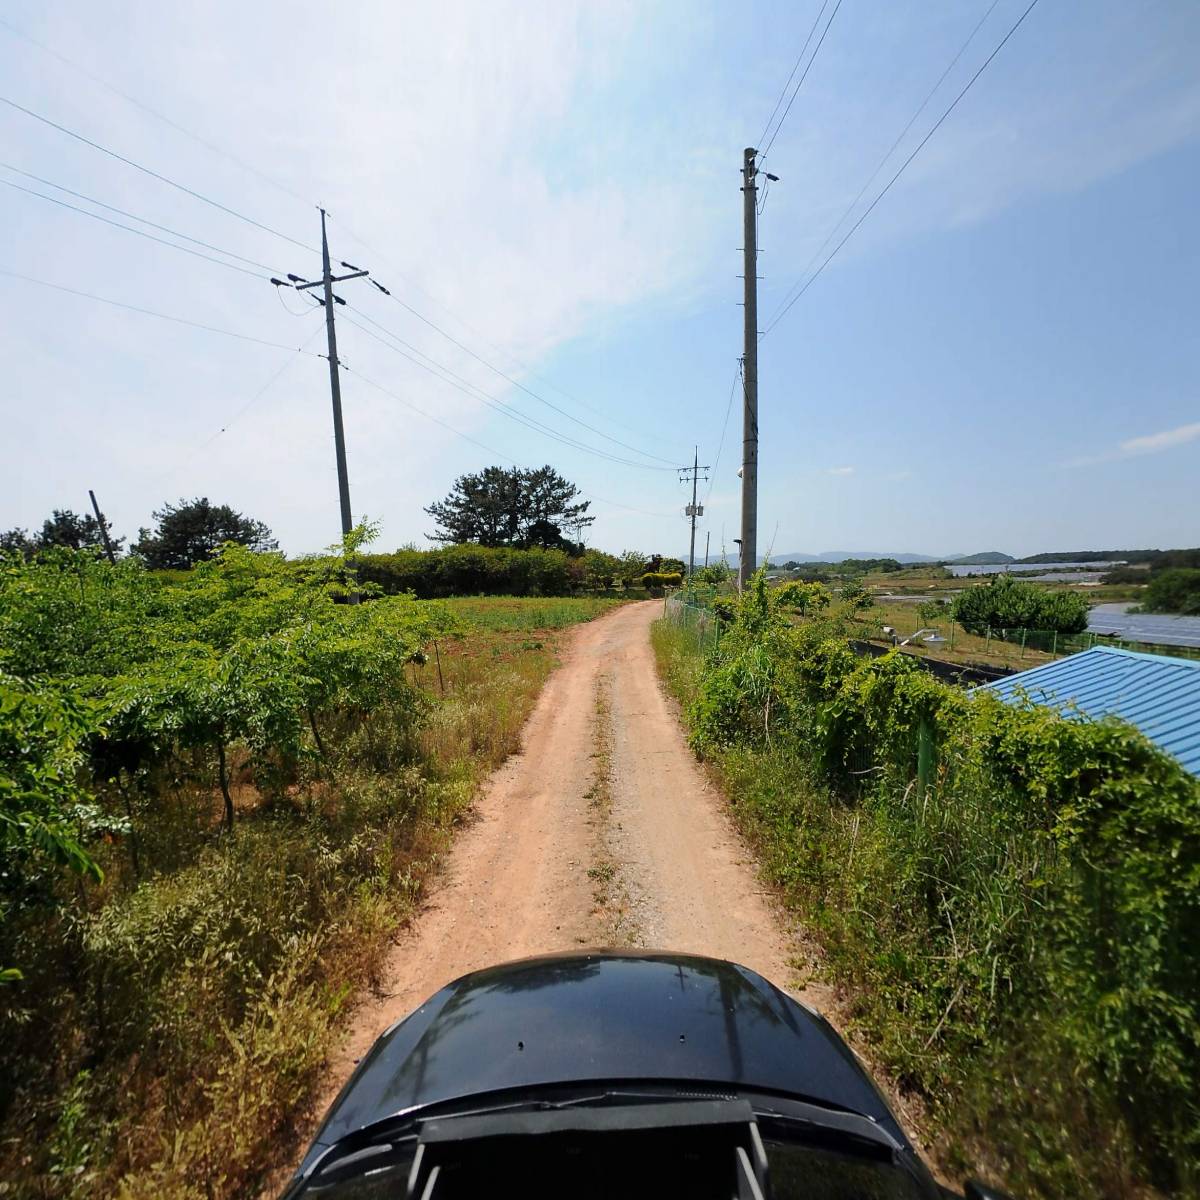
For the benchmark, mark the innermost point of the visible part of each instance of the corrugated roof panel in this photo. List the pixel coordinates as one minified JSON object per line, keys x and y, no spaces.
{"x":1158,"y":695}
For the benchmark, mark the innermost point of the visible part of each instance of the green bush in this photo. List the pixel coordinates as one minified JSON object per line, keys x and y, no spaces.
{"x":803,"y":598}
{"x":657,"y":580}
{"x":471,"y":570}
{"x":1007,"y":603}
{"x":1176,"y":590}
{"x":994,"y":880}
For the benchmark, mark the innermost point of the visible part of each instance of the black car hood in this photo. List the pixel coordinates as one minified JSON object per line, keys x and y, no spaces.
{"x":596,"y":1017}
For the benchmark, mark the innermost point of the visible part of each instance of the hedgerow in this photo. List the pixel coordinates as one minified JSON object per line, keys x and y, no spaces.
{"x":1015,"y":895}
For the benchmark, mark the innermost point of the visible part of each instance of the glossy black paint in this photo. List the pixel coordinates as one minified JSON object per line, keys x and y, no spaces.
{"x":602,"y":1016}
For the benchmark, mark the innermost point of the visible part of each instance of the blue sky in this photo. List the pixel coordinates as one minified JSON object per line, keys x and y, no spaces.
{"x":1003,"y":356}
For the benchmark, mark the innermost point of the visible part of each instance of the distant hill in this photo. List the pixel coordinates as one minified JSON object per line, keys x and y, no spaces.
{"x":829,"y":556}
{"x":983,"y":558}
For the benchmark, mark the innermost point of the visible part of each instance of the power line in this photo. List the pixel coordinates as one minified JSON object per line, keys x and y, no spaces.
{"x":146,"y":108}
{"x":519,"y":385}
{"x":130,"y":229}
{"x":149,"y":312}
{"x":724,"y":426}
{"x":241,"y":412}
{"x":79,"y":137}
{"x":937,"y":125}
{"x":892,"y":148}
{"x":799,"y":59}
{"x":457,"y":381}
{"x":429,"y":416}
{"x":134,"y":217}
{"x":215,"y":149}
{"x":517,"y":362}
{"x":483,"y":445}
{"x":816,"y":50}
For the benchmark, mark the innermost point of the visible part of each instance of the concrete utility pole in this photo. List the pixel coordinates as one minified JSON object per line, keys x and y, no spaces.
{"x":749,"y":540}
{"x":693,"y":510}
{"x":108,"y":549}
{"x":707,"y":535}
{"x":326,"y":282}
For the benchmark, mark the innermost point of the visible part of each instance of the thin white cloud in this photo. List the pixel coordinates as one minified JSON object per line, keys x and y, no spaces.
{"x":1150,"y":443}
{"x":841,"y":470}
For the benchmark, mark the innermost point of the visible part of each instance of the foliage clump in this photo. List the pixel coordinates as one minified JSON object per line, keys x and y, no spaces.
{"x":1006,"y":603}
{"x":1013,"y":893}
{"x":1175,"y":590}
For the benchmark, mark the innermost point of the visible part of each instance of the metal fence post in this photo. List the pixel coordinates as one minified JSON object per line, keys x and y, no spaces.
{"x":1054,"y":648}
{"x":1023,"y":634}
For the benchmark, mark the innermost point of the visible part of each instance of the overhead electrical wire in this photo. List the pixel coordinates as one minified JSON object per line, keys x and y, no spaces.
{"x":149,"y":312}
{"x":762,"y":137}
{"x":267,"y":228}
{"x":484,"y":445}
{"x":212,"y":147}
{"x":816,"y":50}
{"x":146,"y":108}
{"x":134,"y":217}
{"x":457,"y":381}
{"x":528,"y":391}
{"x":517,"y":362}
{"x":188,"y":455}
{"x":131,"y":229}
{"x":892,"y":148}
{"x":137,"y":166}
{"x":887,"y":187}
{"x":737,"y":374}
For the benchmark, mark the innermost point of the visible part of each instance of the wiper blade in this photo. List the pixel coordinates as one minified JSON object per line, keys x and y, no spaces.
{"x":809,"y":1122}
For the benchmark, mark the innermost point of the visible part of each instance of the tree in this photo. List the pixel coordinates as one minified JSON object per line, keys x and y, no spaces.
{"x":517,"y":507}
{"x":17,"y":541}
{"x":192,"y":531}
{"x":1176,"y":590}
{"x":67,"y":528}
{"x":1007,"y":603}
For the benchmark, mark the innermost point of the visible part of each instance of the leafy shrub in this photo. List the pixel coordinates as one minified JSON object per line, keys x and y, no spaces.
{"x":803,"y":598}
{"x":1034,"y":885}
{"x":471,"y":570}
{"x":1175,"y":590}
{"x":1007,"y":603}
{"x":657,"y":580}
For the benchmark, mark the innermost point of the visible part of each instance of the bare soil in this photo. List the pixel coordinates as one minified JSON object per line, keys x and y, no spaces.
{"x":602,"y":831}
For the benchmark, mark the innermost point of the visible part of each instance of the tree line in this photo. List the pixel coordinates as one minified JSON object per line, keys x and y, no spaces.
{"x":184,"y":534}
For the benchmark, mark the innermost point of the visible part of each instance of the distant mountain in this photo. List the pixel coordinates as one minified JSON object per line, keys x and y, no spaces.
{"x":983,"y":558}
{"x":830,"y":556}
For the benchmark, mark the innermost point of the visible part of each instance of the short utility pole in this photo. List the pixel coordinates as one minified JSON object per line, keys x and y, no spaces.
{"x":108,"y":547}
{"x":326,"y":282}
{"x":693,"y":510}
{"x":749,"y":540}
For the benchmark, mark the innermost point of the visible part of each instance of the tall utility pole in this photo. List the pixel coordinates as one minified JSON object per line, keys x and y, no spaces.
{"x":693,"y":510}
{"x":108,"y":549}
{"x":749,"y":547}
{"x":326,"y":282}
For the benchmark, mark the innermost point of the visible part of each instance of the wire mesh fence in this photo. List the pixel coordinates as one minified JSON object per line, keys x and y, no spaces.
{"x":1010,"y":645}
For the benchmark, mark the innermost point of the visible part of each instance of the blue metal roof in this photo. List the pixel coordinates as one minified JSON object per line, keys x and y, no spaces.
{"x":1158,"y":695}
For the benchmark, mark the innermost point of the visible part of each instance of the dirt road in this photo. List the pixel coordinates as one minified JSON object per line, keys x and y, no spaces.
{"x":603,"y":831}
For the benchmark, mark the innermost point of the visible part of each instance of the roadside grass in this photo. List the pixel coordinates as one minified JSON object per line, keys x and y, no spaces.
{"x":1016,"y":1103}
{"x":189,"y":1014}
{"x":529,"y":613}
